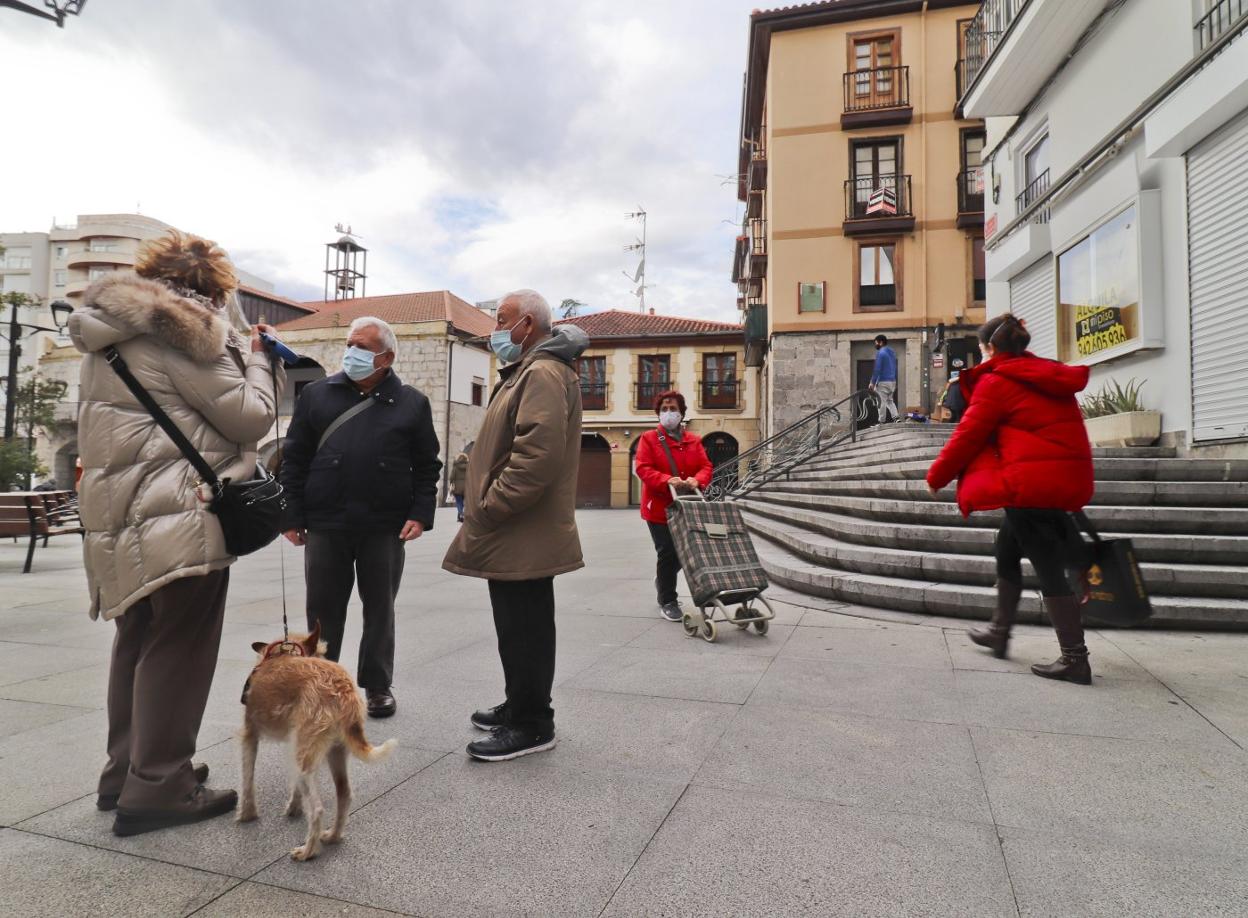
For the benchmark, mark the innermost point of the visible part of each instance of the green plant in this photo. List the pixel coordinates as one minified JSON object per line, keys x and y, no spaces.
{"x":18,"y":465}
{"x":1113,"y":398}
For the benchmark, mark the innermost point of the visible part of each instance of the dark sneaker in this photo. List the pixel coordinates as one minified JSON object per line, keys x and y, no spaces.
{"x":106,"y":803}
{"x":381,"y":704}
{"x":202,"y":803}
{"x":671,"y":611}
{"x":507,"y":742}
{"x":490,"y":719}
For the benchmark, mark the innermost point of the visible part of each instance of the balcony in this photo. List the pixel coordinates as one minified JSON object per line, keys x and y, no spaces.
{"x":740,"y":258}
{"x":971,"y":198}
{"x":647,"y":392}
{"x":960,"y":82}
{"x":719,"y":395}
{"x":1215,"y":23}
{"x":594,"y":396}
{"x":878,"y":205}
{"x":876,"y":97}
{"x":755,"y":334}
{"x":758,"y":249}
{"x":1014,"y":46}
{"x":757,"y":178}
{"x":1031,"y":194}
{"x":83,"y":260}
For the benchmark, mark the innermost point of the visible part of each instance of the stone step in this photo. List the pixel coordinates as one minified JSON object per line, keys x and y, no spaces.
{"x":966,"y":601}
{"x":1190,"y":494}
{"x":943,"y":567}
{"x":974,"y":537}
{"x":1108,"y":518}
{"x":913,"y":465}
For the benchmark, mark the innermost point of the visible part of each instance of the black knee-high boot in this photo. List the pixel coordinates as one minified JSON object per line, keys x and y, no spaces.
{"x":1072,"y":665}
{"x":996,"y":637}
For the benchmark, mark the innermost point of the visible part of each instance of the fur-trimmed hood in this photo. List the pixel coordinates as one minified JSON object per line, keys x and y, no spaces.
{"x":123,"y":305}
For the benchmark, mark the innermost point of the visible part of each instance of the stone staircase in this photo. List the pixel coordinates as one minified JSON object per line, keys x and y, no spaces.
{"x":858,"y":524}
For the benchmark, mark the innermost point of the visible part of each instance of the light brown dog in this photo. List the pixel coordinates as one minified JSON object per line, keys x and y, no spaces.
{"x":294,"y":693}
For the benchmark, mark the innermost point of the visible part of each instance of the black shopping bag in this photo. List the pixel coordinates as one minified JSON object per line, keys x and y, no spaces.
{"x":1114,"y":590}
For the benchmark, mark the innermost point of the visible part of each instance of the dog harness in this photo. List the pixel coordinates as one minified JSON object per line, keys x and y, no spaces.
{"x":275,"y":649}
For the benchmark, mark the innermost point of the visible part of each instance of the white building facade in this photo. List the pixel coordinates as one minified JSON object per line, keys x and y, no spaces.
{"x":1116,"y":210}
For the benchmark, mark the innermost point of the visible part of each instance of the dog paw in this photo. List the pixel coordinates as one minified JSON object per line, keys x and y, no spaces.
{"x":329,"y":837}
{"x":247,"y":814}
{"x":303,"y":853}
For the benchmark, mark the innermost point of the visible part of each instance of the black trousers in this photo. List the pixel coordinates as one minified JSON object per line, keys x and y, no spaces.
{"x":524,"y":619}
{"x":1047,"y":538}
{"x":668,"y":565}
{"x":333,"y":559}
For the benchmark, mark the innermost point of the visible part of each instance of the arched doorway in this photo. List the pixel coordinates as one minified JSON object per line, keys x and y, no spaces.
{"x":64,"y":467}
{"x":593,"y":481}
{"x":634,"y":483}
{"x":721,"y":448}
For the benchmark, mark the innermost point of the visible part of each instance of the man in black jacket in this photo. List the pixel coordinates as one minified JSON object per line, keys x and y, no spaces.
{"x":360,"y":467}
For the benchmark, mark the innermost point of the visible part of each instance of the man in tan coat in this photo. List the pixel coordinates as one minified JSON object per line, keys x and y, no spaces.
{"x":519,"y":515}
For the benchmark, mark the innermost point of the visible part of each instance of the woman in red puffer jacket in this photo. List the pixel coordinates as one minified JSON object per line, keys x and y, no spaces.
{"x":1022,"y":447}
{"x":692,"y":470}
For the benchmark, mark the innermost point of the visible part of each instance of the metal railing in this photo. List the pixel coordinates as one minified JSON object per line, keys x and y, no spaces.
{"x":758,"y":236}
{"x":800,"y":442}
{"x":593,"y":396}
{"x":971,"y":190}
{"x":1221,"y":16}
{"x":986,"y":32}
{"x":719,"y":393}
{"x":877,"y":88}
{"x":1032,"y":193}
{"x":647,"y":392}
{"x":858,"y":192}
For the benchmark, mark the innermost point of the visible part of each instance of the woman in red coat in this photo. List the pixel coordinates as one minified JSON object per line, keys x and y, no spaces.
{"x":687,"y":468}
{"x":1022,"y":446}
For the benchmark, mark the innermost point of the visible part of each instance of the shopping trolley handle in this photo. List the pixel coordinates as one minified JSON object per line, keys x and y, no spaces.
{"x":684,"y":495}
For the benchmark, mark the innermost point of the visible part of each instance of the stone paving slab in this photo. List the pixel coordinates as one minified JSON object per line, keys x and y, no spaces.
{"x":677,"y":673}
{"x":20,"y":716}
{"x":903,"y":644}
{"x":249,"y":900}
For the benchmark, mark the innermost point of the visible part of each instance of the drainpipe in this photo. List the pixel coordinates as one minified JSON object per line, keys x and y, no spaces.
{"x":925,"y":371}
{"x":446,"y":438}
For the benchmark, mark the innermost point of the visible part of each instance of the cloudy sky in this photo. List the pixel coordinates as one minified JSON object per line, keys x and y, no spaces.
{"x":474,"y":145}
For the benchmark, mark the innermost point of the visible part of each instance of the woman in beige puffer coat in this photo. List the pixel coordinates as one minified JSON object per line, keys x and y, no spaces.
{"x":155,"y":555}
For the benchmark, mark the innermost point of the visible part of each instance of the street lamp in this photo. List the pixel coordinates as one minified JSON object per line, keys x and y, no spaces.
{"x":60,"y":315}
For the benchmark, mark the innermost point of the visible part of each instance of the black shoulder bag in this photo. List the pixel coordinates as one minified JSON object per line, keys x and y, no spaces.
{"x":250,"y":511}
{"x":1114,"y":590}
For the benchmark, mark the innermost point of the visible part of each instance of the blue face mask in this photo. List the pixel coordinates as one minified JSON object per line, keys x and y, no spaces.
{"x":358,"y":364}
{"x":502,"y":345}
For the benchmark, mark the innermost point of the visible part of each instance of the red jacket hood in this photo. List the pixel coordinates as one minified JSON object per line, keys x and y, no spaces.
{"x":1047,"y":376}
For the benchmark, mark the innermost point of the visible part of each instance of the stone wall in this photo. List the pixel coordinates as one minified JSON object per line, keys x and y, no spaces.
{"x":806,"y":370}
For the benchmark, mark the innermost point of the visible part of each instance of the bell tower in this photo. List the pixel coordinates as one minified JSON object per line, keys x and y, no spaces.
{"x":346,"y":266}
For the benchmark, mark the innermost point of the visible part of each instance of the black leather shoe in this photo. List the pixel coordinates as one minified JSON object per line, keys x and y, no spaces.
{"x":508,"y":742}
{"x":381,"y":704}
{"x":491,"y":718}
{"x":202,"y":803}
{"x":106,"y":803}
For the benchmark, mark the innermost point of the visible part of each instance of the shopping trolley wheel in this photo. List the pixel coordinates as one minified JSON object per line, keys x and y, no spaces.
{"x":743,"y":611}
{"x":690,"y":626}
{"x":708,"y":631}
{"x":762,"y":626}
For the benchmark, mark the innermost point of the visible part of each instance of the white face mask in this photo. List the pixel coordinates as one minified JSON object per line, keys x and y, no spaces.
{"x":669,"y":419}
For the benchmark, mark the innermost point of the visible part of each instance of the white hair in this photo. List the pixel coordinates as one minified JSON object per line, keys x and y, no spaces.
{"x":531,"y":303}
{"x":386,"y":333}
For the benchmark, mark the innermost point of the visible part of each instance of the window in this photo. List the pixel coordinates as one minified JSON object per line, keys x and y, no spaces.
{"x":593,"y":373}
{"x":872,"y":58}
{"x":877,"y":288}
{"x":979,"y":282}
{"x":59,"y":277}
{"x":478,"y":391}
{"x":971,"y":175}
{"x":62,"y":251}
{"x":875,"y":165}
{"x":97,"y":273}
{"x":653,"y":377}
{"x":1098,"y":282}
{"x":17,"y":258}
{"x":720,"y":385}
{"x":812,"y":297}
{"x":98,"y":246}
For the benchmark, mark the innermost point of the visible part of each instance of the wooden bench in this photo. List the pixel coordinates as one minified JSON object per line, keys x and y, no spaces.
{"x":39,"y":515}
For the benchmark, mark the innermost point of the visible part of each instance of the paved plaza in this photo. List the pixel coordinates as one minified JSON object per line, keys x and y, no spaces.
{"x":852,"y":762}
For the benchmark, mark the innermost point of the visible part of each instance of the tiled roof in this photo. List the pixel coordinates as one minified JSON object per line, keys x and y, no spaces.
{"x":276,"y":298}
{"x":616,"y":323}
{"x":397,"y":309}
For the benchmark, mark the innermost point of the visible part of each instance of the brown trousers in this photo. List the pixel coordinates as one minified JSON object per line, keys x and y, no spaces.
{"x":164,"y":657}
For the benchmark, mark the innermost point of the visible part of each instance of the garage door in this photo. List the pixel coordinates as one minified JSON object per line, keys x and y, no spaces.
{"x":593,"y":480}
{"x":1033,"y":298}
{"x":1217,"y":224}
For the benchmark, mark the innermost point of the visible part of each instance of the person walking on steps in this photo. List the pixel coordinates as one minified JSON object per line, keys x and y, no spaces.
{"x":459,"y":474}
{"x":519,"y":528}
{"x":360,"y":467}
{"x":884,"y":379}
{"x":668,"y":457}
{"x":1022,"y":447}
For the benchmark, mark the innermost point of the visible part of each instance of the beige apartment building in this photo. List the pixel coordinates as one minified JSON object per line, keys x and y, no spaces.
{"x":864,"y":199}
{"x":632,"y":358}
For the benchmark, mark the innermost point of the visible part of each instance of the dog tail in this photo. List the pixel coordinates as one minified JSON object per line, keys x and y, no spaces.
{"x":362,"y":749}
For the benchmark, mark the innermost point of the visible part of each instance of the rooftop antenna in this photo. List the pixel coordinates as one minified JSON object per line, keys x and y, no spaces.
{"x":639,"y":276}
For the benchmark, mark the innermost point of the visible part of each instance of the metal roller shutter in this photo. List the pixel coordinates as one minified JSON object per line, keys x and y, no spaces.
{"x":1033,"y":299}
{"x":1217,"y":225}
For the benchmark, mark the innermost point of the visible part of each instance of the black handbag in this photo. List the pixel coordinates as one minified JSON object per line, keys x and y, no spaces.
{"x":250,"y":511}
{"x":1113,"y":586}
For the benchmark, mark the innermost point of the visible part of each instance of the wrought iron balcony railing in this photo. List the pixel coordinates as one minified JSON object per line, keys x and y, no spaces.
{"x":971,"y":190}
{"x":877,"y":88}
{"x":1033,"y":193}
{"x":800,"y":442}
{"x":647,"y":392}
{"x":1221,"y":16}
{"x":985,"y":34}
{"x":724,"y":394}
{"x":882,"y":203}
{"x":755,"y":334}
{"x":594,"y":396}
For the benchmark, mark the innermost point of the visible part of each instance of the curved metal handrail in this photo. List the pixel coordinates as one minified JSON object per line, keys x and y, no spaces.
{"x":801,"y":441}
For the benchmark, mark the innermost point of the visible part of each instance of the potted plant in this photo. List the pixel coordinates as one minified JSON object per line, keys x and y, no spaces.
{"x":1115,"y":416}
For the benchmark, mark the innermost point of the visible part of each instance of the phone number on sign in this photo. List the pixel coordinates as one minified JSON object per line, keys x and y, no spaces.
{"x":1101,"y":340}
